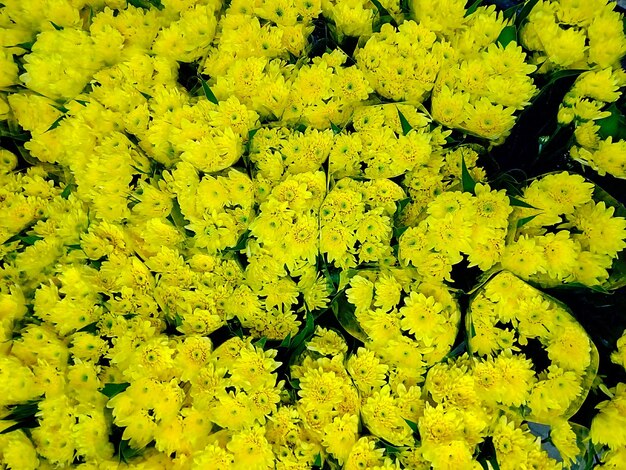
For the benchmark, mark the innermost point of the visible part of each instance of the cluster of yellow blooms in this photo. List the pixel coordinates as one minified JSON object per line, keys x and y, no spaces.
{"x":574,"y":35}
{"x":482,"y":85}
{"x":505,"y":317}
{"x":586,"y":105}
{"x":252,"y":265}
{"x":564,"y":235}
{"x":458,"y":223}
{"x":404,"y":318}
{"x":589,"y":36}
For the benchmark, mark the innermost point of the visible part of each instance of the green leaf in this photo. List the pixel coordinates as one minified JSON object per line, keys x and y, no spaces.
{"x":459,"y":349}
{"x":336,"y":129}
{"x":23,"y":411}
{"x":508,"y":34}
{"x":398,"y":231}
{"x":30,"y":423}
{"x":384,"y":15}
{"x":318,"y":460}
{"x":66,"y":191}
{"x":467,"y":182}
{"x":401,"y":204}
{"x":261,"y":342}
{"x":391,"y":450}
{"x":111,"y":389}
{"x":241,"y":243}
{"x":56,"y":26}
{"x":473,"y":7}
{"x":564,"y":74}
{"x":26,"y":45}
{"x":510,"y":12}
{"x":405,"y":7}
{"x":25,"y":239}
{"x":305,"y":333}
{"x":56,"y":123}
{"x":344,"y":312}
{"x":406,"y":127}
{"x":525,"y":220}
{"x":412,"y":425}
{"x":126,"y":452}
{"x":207,"y":91}
{"x":15,"y":135}
{"x":177,"y":217}
{"x":524,"y":12}
{"x":519,"y":203}
{"x":613,"y":125}
{"x":146,"y":4}
{"x":285,"y":343}
{"x":89,"y":328}
{"x":472,"y":328}
{"x":252,"y":133}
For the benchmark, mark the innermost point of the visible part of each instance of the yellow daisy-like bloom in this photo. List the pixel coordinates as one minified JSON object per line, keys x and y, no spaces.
{"x":364,"y":454}
{"x":517,"y":378}
{"x":421,"y":316}
{"x":340,"y":436}
{"x":561,"y":253}
{"x":320,"y":390}
{"x":360,"y":293}
{"x":524,"y":257}
{"x":327,"y":342}
{"x":451,"y":455}
{"x":609,"y":425}
{"x":564,"y":438}
{"x":388,"y":291}
{"x":489,"y":120}
{"x":492,"y":207}
{"x":213,"y":456}
{"x":602,"y":232}
{"x":383,"y":418}
{"x":366,"y":370}
{"x":192,"y":354}
{"x":569,"y":347}
{"x":439,"y":425}
{"x":251,"y":450}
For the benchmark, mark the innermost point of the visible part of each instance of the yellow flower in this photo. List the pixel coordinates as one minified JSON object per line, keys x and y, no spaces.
{"x":18,"y":451}
{"x":570,"y":348}
{"x":440,"y":425}
{"x":213,"y":456}
{"x":448,"y":107}
{"x":327,"y":342}
{"x":340,"y":436}
{"x":422,"y":317}
{"x":360,"y":293}
{"x":609,"y":425}
{"x":364,"y":454}
{"x":619,"y":356}
{"x":564,"y":438}
{"x":561,"y":253}
{"x":524,"y":257}
{"x":451,"y":455}
{"x":517,"y":378}
{"x":251,"y":450}
{"x":382,"y":415}
{"x":192,"y":354}
{"x":488,"y":120}
{"x":320,"y":390}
